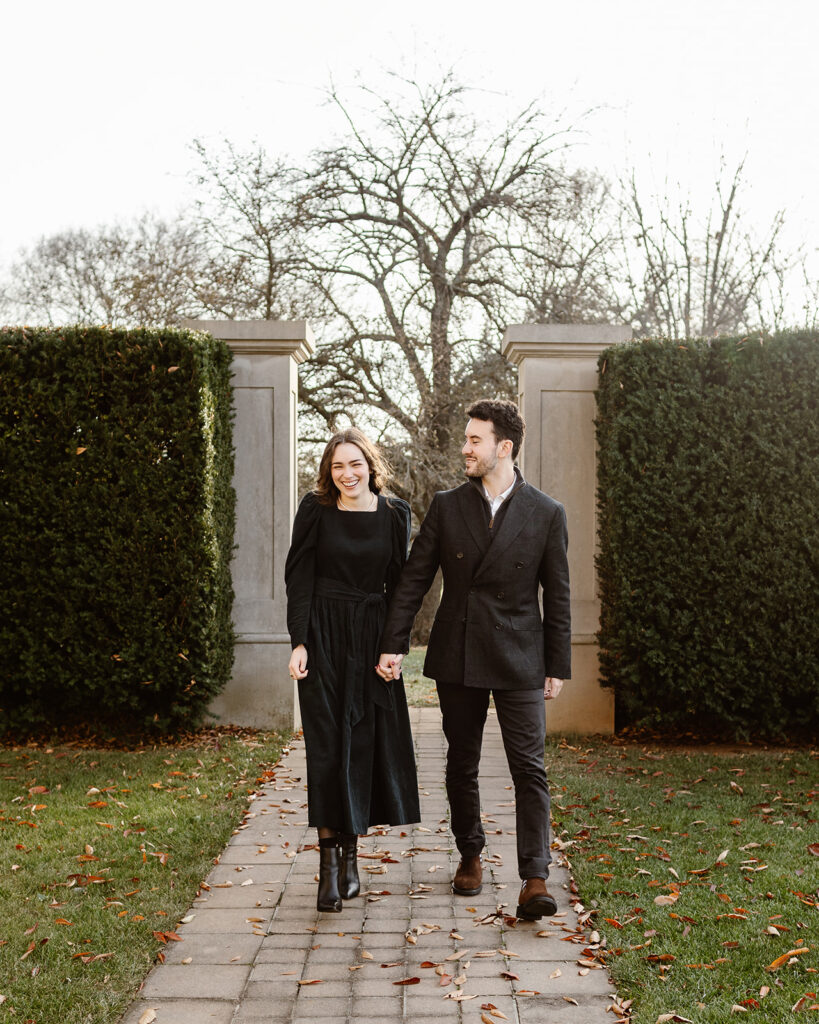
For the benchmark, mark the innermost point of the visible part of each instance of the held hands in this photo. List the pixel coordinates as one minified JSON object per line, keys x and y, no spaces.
{"x":389,"y":666}
{"x":552,"y":687}
{"x":298,"y":662}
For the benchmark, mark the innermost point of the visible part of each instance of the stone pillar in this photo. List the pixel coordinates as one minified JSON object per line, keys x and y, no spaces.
{"x":557,"y":380}
{"x":265,"y":388}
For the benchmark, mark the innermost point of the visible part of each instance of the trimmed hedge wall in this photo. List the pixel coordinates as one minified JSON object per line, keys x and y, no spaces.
{"x":116,"y":527}
{"x":709,"y":534}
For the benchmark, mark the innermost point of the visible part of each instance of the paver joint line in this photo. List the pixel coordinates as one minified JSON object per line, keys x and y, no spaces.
{"x":260,"y":951}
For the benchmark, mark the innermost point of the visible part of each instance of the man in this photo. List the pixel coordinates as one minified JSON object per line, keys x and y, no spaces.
{"x":497,"y":540}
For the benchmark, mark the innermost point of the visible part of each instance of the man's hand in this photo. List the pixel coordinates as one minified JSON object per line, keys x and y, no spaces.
{"x":298,"y":662}
{"x":552,"y":687}
{"x":389,"y":666}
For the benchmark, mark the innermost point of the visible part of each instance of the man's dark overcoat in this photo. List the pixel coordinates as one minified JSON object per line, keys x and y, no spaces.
{"x":489,"y":631}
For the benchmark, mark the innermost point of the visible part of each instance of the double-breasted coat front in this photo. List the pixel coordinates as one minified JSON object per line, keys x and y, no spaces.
{"x":489,"y":631}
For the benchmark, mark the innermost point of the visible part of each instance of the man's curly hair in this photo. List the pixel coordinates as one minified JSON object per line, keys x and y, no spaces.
{"x":507,"y":422}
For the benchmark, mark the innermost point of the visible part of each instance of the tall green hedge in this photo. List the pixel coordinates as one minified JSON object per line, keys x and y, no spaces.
{"x":709,"y":534}
{"x":116,"y":527}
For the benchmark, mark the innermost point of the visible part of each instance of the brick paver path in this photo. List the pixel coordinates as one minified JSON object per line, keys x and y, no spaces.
{"x":255,"y":949}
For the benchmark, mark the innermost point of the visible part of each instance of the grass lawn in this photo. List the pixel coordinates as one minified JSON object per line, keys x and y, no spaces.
{"x":420,"y":690}
{"x":101,"y":854}
{"x":702,"y":869}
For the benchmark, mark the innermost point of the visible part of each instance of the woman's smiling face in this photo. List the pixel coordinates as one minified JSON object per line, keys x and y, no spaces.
{"x":350,"y":471}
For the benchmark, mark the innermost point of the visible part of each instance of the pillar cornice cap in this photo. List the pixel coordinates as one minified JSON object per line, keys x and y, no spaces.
{"x":547,"y":341}
{"x":261,"y":337}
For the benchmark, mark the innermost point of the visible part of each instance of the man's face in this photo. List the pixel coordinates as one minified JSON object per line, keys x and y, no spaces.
{"x":480,"y":449}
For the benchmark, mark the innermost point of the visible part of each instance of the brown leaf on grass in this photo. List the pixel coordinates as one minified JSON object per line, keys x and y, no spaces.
{"x":614,"y":922}
{"x":780,"y":960}
{"x":668,"y":900}
{"x":736,"y":1008}
{"x":32,"y":929}
{"x":62,"y":920}
{"x":31,"y":947}
{"x":675,"y":1018}
{"x":407,"y":981}
{"x":812,"y":847}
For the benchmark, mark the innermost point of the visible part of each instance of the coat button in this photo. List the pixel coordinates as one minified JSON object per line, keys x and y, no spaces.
{"x":498,"y":626}
{"x":518,"y":565}
{"x":459,"y":554}
{"x":501,"y":595}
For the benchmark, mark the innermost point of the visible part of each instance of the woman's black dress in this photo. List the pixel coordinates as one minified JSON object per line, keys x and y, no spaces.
{"x":341,"y":570}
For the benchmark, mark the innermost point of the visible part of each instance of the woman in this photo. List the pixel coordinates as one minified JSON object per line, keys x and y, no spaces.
{"x":349,"y":544}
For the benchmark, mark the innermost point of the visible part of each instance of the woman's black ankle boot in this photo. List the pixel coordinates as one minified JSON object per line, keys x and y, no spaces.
{"x":328,"y":899}
{"x":349,"y":883}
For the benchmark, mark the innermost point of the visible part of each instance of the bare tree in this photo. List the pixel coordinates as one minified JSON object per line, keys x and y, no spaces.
{"x":151,"y":272}
{"x":682,"y":276}
{"x":413,"y":241}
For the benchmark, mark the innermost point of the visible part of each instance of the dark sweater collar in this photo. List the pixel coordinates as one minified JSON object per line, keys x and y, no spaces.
{"x":477,"y":483}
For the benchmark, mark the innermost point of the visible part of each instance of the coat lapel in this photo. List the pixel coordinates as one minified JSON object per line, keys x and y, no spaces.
{"x":516,"y":517}
{"x":474,"y":516}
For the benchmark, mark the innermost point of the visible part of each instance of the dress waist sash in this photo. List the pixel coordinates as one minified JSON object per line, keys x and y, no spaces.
{"x":363,"y":683}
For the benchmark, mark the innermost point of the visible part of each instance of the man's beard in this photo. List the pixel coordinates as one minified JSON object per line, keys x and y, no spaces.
{"x":480,"y":467}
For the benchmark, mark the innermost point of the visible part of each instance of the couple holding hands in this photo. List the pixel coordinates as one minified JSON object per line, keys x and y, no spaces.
{"x":352,"y":596}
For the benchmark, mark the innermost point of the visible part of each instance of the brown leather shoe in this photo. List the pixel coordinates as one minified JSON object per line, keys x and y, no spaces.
{"x":468,"y":877}
{"x":534,"y":901}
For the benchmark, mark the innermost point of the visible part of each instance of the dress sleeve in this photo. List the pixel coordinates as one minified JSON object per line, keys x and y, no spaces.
{"x":299,"y":569}
{"x":401,"y":527}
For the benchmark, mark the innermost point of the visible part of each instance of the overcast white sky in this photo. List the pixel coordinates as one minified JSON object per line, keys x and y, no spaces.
{"x":101,"y":100}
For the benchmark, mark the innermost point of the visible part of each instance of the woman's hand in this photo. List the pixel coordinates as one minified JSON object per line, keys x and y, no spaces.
{"x":389,"y":666}
{"x":298,"y":662}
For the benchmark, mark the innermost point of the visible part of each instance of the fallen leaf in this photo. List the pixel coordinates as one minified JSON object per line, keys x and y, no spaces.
{"x":736,"y":1008}
{"x":310,"y":981}
{"x":148,"y":1017}
{"x":510,"y":976}
{"x":780,"y":960}
{"x":556,"y":973}
{"x":675,"y":1017}
{"x":366,"y":955}
{"x":812,"y":847}
{"x":667,"y":901}
{"x":407,"y":981}
{"x":457,"y":956}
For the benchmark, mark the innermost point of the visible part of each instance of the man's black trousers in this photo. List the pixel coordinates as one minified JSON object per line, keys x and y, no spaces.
{"x":522,"y":720}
